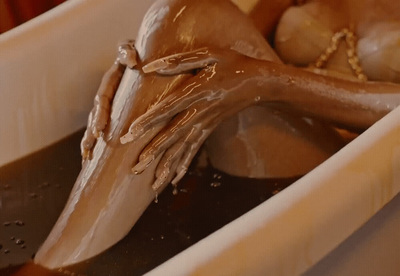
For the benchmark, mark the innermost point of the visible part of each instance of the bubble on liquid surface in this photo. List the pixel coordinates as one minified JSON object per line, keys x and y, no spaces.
{"x":217,"y":176}
{"x":19,"y":241}
{"x":215,"y":184}
{"x":274,"y":192}
{"x":19,"y":223}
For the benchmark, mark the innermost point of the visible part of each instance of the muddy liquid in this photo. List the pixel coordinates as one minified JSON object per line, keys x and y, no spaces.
{"x":33,"y":192}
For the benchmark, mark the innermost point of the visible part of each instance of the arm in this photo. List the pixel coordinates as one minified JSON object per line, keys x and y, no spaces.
{"x":229,"y":82}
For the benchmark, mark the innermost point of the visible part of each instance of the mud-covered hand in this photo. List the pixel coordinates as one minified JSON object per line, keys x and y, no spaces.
{"x":99,"y":115}
{"x":225,"y":82}
{"x":191,"y":112}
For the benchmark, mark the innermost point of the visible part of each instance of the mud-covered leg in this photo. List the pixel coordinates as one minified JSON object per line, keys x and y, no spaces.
{"x":100,"y":113}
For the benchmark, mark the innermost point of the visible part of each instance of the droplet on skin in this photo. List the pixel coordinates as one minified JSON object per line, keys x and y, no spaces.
{"x":6,"y":223}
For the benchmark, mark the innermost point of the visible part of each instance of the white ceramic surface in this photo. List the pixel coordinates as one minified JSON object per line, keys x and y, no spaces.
{"x":292,"y":231}
{"x":51,"y":66}
{"x":49,"y":71}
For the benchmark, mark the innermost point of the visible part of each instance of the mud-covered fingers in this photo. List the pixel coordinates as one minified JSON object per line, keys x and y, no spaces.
{"x":166,"y":168}
{"x":109,"y":84}
{"x":153,"y":150}
{"x":127,"y":53}
{"x":192,"y":142}
{"x":105,"y":95}
{"x":167,"y":109}
{"x":196,"y":140}
{"x":176,"y":159}
{"x":182,"y":62}
{"x":177,"y":128}
{"x":88,"y":139}
{"x":183,"y":126}
{"x":190,"y":153}
{"x":148,"y":120}
{"x":101,"y":115}
{"x":87,"y":144}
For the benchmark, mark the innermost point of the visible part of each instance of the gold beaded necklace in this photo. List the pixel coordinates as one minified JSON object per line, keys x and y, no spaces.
{"x":351,"y":51}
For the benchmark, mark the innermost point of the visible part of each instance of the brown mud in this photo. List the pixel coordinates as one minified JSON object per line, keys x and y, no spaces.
{"x":33,"y":192}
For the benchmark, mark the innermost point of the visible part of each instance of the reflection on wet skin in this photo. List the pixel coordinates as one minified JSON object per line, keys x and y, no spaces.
{"x":166,"y":137}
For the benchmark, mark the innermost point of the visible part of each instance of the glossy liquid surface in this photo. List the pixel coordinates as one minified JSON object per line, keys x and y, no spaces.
{"x":35,"y":189}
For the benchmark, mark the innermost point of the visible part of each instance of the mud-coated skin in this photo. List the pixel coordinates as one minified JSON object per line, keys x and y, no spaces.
{"x":231,"y":82}
{"x":343,"y":111}
{"x":107,"y":197}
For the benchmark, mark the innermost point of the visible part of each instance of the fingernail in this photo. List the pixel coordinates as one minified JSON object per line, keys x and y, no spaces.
{"x":160,"y":180}
{"x":156,"y":65}
{"x":129,"y":137}
{"x":132,"y":134}
{"x":142,"y":165}
{"x":157,"y":184}
{"x":179,"y":176}
{"x":126,"y":138}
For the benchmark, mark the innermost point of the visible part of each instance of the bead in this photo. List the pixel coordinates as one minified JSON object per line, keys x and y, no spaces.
{"x":351,"y":51}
